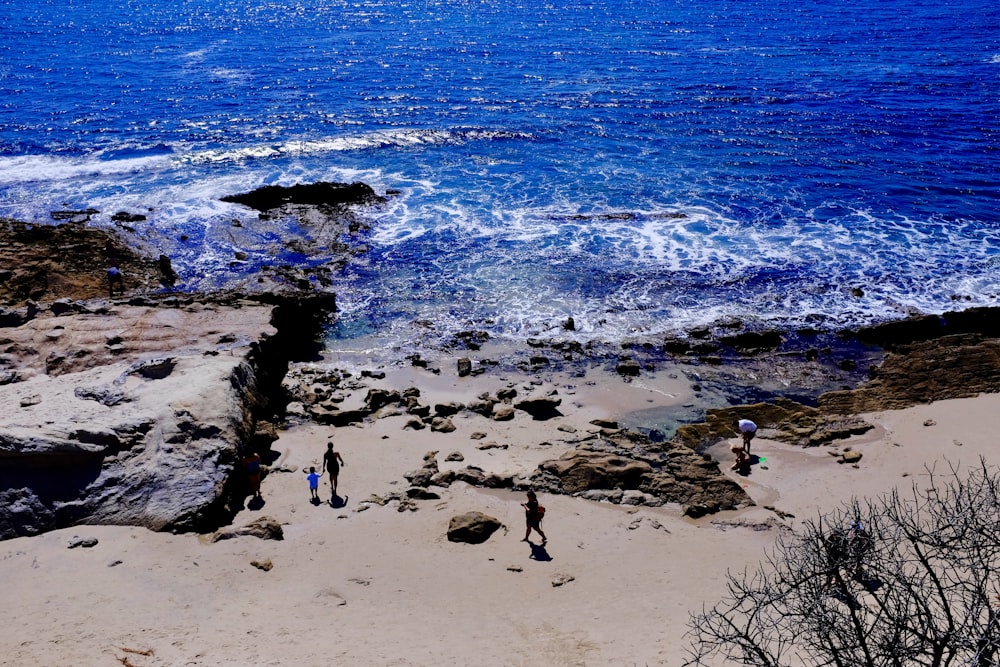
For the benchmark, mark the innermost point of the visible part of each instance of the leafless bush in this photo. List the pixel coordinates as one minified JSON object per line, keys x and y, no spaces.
{"x":923,"y":591}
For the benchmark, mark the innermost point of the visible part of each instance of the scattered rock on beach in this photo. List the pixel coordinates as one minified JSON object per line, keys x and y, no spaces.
{"x":542,"y":404}
{"x":85,"y":542}
{"x":850,"y":456}
{"x":265,"y":565}
{"x":562,"y":579}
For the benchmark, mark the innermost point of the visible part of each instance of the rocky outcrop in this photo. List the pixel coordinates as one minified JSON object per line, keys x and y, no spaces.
{"x":781,"y":419}
{"x":955,"y":366}
{"x":46,"y":263}
{"x":918,"y":371}
{"x":623,"y":462}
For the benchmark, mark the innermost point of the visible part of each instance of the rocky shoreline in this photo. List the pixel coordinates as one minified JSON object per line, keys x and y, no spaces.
{"x":137,"y":410}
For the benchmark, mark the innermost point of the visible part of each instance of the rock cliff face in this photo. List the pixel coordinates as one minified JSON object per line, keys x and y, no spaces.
{"x":133,"y":415}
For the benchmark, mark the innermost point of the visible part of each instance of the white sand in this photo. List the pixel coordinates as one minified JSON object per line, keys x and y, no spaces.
{"x":382,"y":587}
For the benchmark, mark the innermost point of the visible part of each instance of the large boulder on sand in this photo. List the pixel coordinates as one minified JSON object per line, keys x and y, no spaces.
{"x":472,"y":527}
{"x":264,"y":528}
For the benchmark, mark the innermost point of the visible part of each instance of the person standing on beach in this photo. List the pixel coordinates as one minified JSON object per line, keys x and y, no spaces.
{"x":332,"y":460}
{"x":533,"y":513}
{"x":747,"y":429}
{"x":252,"y":465}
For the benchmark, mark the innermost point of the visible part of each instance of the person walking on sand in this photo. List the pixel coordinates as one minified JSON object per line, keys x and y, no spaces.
{"x":747,"y":429}
{"x":332,"y":460}
{"x":533,"y":513}
{"x":313,"y":484}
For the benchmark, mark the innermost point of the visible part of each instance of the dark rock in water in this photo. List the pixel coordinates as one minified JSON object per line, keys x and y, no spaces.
{"x":472,"y":527}
{"x":125,"y":216}
{"x":985,"y":321}
{"x":74,"y":216}
{"x":312,"y":194}
{"x":901,"y":332}
{"x":753,"y":341}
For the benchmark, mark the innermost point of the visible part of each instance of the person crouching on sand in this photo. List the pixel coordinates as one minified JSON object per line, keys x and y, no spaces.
{"x":533,"y":513}
{"x":741,"y":456}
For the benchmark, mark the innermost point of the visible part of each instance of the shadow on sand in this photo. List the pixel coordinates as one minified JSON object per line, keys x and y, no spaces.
{"x":538,"y":552}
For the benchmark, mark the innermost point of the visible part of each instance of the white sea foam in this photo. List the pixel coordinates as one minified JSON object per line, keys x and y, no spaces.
{"x":29,"y":169}
{"x":351,"y":142}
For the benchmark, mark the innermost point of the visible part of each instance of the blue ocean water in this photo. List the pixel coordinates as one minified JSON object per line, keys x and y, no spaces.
{"x":644,"y":166}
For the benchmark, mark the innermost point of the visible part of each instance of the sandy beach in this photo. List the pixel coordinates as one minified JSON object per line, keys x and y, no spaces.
{"x":366,"y":583}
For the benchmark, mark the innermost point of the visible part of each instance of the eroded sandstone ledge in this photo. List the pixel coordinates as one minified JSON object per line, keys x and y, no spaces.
{"x":138,"y":413}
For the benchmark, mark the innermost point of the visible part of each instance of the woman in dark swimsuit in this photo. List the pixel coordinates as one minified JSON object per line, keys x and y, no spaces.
{"x":331,"y":463}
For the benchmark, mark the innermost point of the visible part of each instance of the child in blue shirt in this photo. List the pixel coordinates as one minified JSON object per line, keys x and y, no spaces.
{"x":313,"y":483}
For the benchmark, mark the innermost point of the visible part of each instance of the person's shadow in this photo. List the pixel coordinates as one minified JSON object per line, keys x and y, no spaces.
{"x":751,"y":461}
{"x":256,"y":503}
{"x":337,"y":502}
{"x":538,"y":552}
